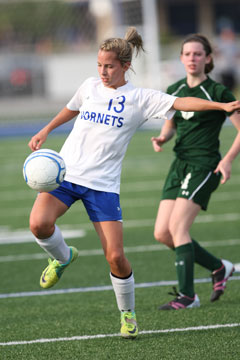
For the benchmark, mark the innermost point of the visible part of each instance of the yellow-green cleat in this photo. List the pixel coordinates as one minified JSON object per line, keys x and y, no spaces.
{"x":54,"y":270}
{"x":129,"y":329}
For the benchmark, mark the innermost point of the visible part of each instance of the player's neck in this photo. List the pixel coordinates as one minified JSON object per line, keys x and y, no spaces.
{"x":193,"y":81}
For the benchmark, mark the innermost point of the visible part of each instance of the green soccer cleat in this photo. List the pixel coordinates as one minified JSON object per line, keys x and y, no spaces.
{"x":129,"y":329}
{"x":54,"y":270}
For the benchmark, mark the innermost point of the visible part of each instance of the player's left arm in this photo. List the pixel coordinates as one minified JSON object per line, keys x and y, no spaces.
{"x":197,"y":104}
{"x":225,"y":165}
{"x":235,"y":119}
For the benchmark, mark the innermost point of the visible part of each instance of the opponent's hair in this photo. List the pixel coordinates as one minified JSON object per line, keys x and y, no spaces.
{"x":124,"y":48}
{"x":206,"y":45}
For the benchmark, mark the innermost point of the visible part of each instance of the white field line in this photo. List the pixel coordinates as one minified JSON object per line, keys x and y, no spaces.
{"x":100,"y":288}
{"x":104,"y":336}
{"x":23,"y":235}
{"x":127,"y":249}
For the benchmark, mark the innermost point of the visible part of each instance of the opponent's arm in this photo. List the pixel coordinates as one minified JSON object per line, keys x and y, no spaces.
{"x":167,"y":132}
{"x":235,"y":119}
{"x":225,"y":165}
{"x":62,"y":117}
{"x":197,"y":104}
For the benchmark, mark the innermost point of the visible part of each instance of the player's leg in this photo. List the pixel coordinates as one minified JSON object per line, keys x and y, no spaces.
{"x":44,"y":214}
{"x":161,"y":228}
{"x":206,"y":183}
{"x":105,"y":212}
{"x":163,"y":235}
{"x":182,"y":217}
{"x":46,"y":209}
{"x":169,"y":194}
{"x":220,"y":269}
{"x":111,"y":236}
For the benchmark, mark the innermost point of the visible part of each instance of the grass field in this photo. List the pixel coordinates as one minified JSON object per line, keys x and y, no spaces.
{"x":78,"y":318}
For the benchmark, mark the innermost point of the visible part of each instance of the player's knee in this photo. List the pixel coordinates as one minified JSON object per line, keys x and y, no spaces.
{"x":161,"y":236}
{"x":40,"y":229}
{"x":115,"y":259}
{"x":164,"y":237}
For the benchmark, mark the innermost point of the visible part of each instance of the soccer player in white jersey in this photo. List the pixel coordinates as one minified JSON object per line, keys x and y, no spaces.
{"x":191,"y":178}
{"x":109,"y":110}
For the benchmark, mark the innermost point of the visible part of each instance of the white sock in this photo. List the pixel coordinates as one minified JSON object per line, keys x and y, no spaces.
{"x":124,"y":292}
{"x":55,"y":246}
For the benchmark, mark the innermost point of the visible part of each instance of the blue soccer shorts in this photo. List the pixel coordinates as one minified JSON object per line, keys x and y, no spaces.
{"x":100,"y":205}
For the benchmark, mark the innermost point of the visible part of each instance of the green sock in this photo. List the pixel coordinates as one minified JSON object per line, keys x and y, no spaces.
{"x":204,"y":258}
{"x":185,"y":268}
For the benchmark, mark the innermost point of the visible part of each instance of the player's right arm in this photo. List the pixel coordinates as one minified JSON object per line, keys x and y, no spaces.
{"x":61,"y":118}
{"x":167,"y":132}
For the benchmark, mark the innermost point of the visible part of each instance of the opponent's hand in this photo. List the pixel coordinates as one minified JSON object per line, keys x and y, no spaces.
{"x":232,"y":106}
{"x":157,"y":143}
{"x":224,"y":167}
{"x":37,"y":140}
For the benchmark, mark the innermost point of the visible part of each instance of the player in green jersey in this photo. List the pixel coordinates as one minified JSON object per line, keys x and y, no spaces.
{"x":191,"y":179}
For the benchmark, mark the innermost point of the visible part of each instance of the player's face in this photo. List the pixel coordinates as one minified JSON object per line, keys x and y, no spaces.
{"x":110,"y":70}
{"x":194,"y":58}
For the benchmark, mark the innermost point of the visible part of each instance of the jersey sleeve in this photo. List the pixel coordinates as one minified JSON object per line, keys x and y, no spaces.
{"x":76,"y":101}
{"x":226,"y":97}
{"x":158,"y":105}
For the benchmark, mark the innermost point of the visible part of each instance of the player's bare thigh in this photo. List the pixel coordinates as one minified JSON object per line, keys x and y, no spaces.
{"x":161,"y":230}
{"x":46,"y":209}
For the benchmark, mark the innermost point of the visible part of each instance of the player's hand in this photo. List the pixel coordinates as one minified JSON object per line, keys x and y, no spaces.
{"x":232,"y":106}
{"x":37,"y":140}
{"x":157,"y":143}
{"x":224,"y":167}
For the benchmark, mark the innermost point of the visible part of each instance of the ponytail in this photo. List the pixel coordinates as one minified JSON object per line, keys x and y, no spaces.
{"x":124,"y":48}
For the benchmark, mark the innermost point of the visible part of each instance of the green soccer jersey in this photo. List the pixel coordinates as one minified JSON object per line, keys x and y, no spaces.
{"x":197,"y":140}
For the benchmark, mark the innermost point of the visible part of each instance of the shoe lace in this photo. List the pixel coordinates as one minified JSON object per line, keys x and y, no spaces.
{"x":129,"y":321}
{"x":175,"y":293}
{"x":53,"y":263}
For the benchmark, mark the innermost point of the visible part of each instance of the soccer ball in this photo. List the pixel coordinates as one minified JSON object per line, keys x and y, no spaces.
{"x":44,"y":170}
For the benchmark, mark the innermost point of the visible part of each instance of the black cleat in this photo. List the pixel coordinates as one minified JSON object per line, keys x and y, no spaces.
{"x":220,"y":278}
{"x":181,"y":302}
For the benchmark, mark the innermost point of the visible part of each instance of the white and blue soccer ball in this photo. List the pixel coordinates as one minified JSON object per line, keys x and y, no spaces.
{"x":44,"y":170}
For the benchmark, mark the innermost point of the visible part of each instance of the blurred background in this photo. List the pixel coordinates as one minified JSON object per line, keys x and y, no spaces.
{"x":48,"y":47}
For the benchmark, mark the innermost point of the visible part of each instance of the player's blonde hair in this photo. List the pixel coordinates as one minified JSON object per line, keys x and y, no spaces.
{"x":124,"y":48}
{"x":206,"y":45}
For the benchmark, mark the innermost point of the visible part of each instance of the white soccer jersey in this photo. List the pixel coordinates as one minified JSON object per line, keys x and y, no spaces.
{"x":107,"y":120}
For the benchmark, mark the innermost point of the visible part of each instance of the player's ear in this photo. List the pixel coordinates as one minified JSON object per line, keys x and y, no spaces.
{"x":208,"y":59}
{"x":126,"y":66}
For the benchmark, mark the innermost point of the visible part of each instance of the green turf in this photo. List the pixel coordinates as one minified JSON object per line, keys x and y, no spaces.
{"x":92,"y":313}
